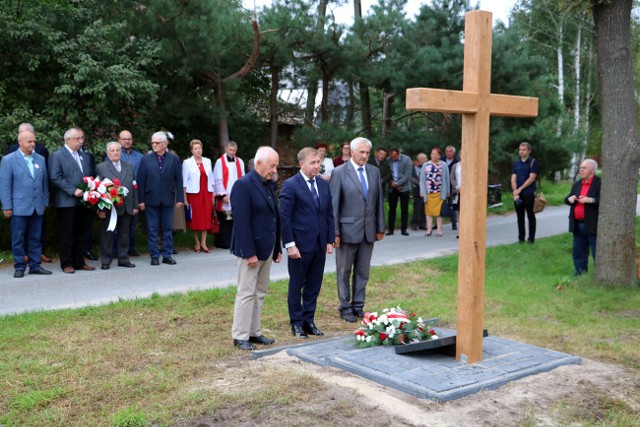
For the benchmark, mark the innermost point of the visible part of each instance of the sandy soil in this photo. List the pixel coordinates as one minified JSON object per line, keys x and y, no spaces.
{"x":569,"y":395}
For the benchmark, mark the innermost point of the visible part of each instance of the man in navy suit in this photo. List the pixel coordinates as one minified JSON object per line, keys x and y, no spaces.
{"x":67,"y":166}
{"x":255,"y":240}
{"x":24,"y":192}
{"x":159,"y":190}
{"x":308,"y":234}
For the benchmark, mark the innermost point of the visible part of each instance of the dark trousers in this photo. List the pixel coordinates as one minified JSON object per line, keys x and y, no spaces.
{"x":72,"y":226}
{"x":159,"y":218}
{"x":133,"y":224}
{"x":107,"y":239}
{"x":582,"y":241}
{"x":394,"y":195}
{"x":418,"y":219}
{"x":521,"y":208}
{"x":454,"y":214}
{"x":305,"y":280}
{"x":26,"y":229}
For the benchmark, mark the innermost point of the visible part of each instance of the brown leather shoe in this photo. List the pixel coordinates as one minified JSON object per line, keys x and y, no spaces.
{"x":69,"y":270}
{"x":45,"y":258}
{"x":87,"y":268}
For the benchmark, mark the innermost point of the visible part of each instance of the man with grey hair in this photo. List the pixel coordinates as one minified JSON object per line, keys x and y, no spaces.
{"x":584,"y":200}
{"x":159,"y":191}
{"x":122,"y":173}
{"x":358,"y":214}
{"x":255,"y":243}
{"x":228,"y":169}
{"x":67,"y":166}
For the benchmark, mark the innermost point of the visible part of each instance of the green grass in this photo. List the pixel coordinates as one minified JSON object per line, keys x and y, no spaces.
{"x":152,"y":361}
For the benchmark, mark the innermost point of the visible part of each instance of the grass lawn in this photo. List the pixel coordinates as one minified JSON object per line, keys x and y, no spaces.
{"x":153,"y":361}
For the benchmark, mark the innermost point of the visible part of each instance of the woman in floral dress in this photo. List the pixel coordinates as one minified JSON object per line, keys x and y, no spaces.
{"x":434,"y":189}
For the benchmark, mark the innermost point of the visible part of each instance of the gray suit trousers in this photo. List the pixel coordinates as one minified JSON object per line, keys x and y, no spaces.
{"x":351,"y":290}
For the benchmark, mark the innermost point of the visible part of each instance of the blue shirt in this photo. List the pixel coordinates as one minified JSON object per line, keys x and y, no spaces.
{"x":522,"y":170}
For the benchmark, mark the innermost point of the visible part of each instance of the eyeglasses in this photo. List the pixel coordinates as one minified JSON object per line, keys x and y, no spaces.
{"x":157,"y":142}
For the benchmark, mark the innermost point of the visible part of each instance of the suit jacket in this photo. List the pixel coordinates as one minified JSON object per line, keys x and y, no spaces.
{"x":404,"y":172}
{"x":355,"y":218}
{"x":65,"y":175}
{"x":302,"y":221}
{"x":385,"y":172}
{"x":590,"y":209}
{"x":256,"y":218}
{"x":19,"y":191}
{"x":191,"y":175}
{"x":160,"y":188}
{"x":106,"y":169}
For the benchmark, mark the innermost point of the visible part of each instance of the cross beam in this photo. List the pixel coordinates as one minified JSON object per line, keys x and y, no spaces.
{"x":477,"y":104}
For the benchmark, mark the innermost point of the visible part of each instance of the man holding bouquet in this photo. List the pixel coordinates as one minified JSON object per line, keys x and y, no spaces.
{"x":122,"y":175}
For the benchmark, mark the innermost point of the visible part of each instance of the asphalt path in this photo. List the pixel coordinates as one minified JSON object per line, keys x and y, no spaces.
{"x":218,"y":269}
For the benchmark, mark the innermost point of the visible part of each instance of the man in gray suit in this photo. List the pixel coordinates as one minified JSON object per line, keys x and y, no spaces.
{"x":359,"y":221}
{"x":115,"y":169}
{"x":24,"y":192}
{"x":67,"y":166}
{"x":400,"y":165}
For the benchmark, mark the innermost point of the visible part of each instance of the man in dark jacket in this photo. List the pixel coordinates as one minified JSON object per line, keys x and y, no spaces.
{"x":584,"y":200}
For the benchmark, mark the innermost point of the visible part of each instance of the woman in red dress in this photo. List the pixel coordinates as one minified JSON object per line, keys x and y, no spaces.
{"x":197,"y":176}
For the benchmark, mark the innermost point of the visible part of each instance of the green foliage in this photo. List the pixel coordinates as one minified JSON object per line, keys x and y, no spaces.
{"x":129,"y":417}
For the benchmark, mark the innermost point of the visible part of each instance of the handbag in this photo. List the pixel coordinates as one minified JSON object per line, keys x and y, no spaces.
{"x":446,"y":210}
{"x":539,"y":203}
{"x":215,"y":224}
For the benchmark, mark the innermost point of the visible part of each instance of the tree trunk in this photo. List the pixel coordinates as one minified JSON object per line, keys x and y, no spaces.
{"x":223,"y":125}
{"x":560,"y":58}
{"x":616,"y":261}
{"x":365,"y":108}
{"x":386,"y":114}
{"x":273,"y":105}
{"x":577,"y":53}
{"x":348,"y":120}
{"x":325,"y":116}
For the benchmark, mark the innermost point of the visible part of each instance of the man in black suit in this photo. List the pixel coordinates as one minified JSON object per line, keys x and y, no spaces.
{"x":159,"y":190}
{"x":255,"y":240}
{"x":120,"y":173}
{"x":67,"y":166}
{"x":584,"y":200}
{"x":308,"y":234}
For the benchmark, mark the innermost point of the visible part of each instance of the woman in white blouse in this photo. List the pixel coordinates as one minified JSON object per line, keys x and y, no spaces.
{"x":197,"y":177}
{"x":326,"y":164}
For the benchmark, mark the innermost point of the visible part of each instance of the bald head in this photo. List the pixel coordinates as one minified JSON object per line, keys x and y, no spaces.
{"x":27,"y":142}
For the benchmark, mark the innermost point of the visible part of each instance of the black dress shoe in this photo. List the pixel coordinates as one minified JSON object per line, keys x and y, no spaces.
{"x":104,"y":267}
{"x":127,"y":264}
{"x":244,"y":345}
{"x":174,"y":252}
{"x":298,"y":332}
{"x":348,"y":317}
{"x":358,"y":313}
{"x":90,"y":256}
{"x":389,"y":233}
{"x":18,"y":274}
{"x":405,"y":233}
{"x":40,"y":271}
{"x":261,"y":340}
{"x":169,"y":260}
{"x":154,"y":261}
{"x":133,"y":252}
{"x":311,"y":329}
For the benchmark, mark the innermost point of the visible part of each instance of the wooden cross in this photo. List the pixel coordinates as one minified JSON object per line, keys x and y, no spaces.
{"x":477,"y":104}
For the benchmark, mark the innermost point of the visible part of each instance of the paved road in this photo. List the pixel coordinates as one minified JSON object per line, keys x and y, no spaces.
{"x":218,"y":269}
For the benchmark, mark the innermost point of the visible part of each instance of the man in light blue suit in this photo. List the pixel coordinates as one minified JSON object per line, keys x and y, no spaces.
{"x":24,"y":193}
{"x":308,"y":234}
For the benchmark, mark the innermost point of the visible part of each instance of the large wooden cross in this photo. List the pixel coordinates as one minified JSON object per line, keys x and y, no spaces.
{"x":477,"y":104}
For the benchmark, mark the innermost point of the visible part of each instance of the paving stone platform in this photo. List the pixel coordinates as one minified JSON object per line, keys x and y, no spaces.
{"x":429,"y":375}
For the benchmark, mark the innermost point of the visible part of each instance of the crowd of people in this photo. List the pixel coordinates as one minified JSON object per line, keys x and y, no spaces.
{"x":330,"y":205}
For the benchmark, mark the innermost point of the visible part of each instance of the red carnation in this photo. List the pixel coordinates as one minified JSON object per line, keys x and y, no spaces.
{"x":113,"y":192}
{"x":432,"y":332}
{"x":359,"y":332}
{"x":116,"y":181}
{"x":383,"y":336}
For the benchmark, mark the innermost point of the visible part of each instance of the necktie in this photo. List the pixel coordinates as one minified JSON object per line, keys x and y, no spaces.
{"x":117,"y":165}
{"x":78,"y":159}
{"x":365,"y":189}
{"x":314,"y":193}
